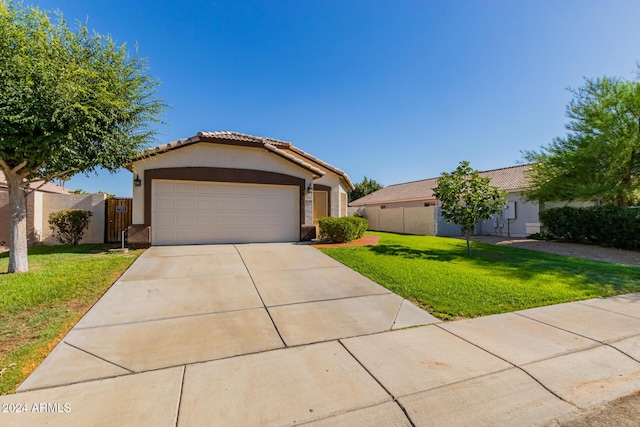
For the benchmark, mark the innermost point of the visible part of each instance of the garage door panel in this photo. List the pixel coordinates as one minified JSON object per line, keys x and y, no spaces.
{"x":222,"y":220}
{"x":204,"y":189}
{"x":182,"y":188}
{"x":222,"y":204}
{"x":204,"y":220}
{"x":204,"y":204}
{"x":162,"y":203}
{"x":164,"y":220}
{"x":201,"y":212}
{"x":164,"y":187}
{"x":185,"y":204}
{"x":240,"y":205}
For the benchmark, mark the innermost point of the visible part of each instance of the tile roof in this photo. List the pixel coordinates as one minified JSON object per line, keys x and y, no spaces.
{"x":323,"y":164}
{"x":47,"y":187}
{"x":508,"y":179}
{"x":221,"y":137}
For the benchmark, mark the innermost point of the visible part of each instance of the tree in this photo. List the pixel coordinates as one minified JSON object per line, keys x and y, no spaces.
{"x":69,"y":102}
{"x":466,"y":198}
{"x":599,"y":158}
{"x":363,"y":188}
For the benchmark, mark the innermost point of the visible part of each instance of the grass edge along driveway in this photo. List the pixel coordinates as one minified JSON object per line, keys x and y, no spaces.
{"x":436,"y":273}
{"x":39,"y":307}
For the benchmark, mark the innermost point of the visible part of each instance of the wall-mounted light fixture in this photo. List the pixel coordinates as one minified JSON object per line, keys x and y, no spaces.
{"x":137,"y":182}
{"x":309,"y":189}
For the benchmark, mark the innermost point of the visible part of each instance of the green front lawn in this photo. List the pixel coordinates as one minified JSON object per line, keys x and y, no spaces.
{"x":436,"y":273}
{"x":39,"y":307}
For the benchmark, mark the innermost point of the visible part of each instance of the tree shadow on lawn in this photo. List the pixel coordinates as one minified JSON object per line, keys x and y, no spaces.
{"x":407,"y":252}
{"x":523,"y":264}
{"x":90,"y":249}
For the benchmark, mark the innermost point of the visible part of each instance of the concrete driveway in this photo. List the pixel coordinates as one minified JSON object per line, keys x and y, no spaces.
{"x":280,"y":334}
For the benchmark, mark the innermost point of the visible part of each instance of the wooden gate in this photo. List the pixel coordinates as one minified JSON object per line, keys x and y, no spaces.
{"x":118,"y":218}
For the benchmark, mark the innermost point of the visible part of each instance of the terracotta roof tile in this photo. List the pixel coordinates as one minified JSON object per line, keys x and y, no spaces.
{"x":509,"y":178}
{"x":236,"y":136}
{"x":324,"y":164}
{"x":273,"y":145}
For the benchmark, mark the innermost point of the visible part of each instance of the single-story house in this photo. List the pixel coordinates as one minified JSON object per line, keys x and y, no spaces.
{"x":45,"y":199}
{"x":229,"y":187}
{"x":518,"y":219}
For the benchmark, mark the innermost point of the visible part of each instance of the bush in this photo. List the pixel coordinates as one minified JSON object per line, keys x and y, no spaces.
{"x":68,"y":226}
{"x":360,"y":223}
{"x":543,"y":235}
{"x":602,"y":225}
{"x":342,"y":230}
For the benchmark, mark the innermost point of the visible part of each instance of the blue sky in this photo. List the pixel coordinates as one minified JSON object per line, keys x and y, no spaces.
{"x":394,"y":90}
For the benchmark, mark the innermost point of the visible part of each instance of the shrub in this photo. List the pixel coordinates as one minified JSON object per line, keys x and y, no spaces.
{"x":68,"y":226}
{"x":543,"y":235}
{"x":360,"y":223}
{"x":603,"y":225}
{"x":341,"y":230}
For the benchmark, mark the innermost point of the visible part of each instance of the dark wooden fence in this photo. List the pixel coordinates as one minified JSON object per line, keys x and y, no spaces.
{"x":117,"y":218}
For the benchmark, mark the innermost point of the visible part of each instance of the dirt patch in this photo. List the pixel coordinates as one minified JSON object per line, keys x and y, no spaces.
{"x":622,"y":412}
{"x":578,"y":250}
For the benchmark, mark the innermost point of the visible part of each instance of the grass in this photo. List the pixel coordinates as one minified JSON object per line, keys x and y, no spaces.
{"x":39,"y":307}
{"x":436,"y":273}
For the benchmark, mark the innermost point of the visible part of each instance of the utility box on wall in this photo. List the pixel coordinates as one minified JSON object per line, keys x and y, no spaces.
{"x":510,"y":211}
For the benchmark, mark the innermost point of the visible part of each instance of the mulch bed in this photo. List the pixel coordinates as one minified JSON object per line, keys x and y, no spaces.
{"x":363,"y":241}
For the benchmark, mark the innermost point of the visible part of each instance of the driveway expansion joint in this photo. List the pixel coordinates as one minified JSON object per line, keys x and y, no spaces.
{"x":605,"y":342}
{"x":159,"y":319}
{"x":99,"y":357}
{"x":606,"y":309}
{"x":394,"y":398}
{"x":512,"y":364}
{"x":180,"y":394}
{"x":260,"y":296}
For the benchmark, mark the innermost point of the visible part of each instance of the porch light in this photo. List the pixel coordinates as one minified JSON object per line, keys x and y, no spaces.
{"x":309,"y":188}
{"x":137,"y":182}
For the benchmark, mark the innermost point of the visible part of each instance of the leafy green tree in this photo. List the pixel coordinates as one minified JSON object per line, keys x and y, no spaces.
{"x":466,"y":198}
{"x":367,"y":186}
{"x":599,"y":158}
{"x":69,"y":102}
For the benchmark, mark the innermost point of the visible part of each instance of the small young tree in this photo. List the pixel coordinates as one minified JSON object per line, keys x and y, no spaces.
{"x":466,"y":198}
{"x":69,"y":226}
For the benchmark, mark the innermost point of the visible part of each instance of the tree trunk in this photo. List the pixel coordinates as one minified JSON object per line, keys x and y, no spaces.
{"x":18,"y":261}
{"x":467,"y":235}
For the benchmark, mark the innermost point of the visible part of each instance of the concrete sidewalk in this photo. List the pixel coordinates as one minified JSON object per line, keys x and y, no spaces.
{"x":280,"y":334}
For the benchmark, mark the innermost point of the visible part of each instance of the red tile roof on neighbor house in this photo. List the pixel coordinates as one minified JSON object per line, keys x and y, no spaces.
{"x":47,"y":187}
{"x":508,"y":179}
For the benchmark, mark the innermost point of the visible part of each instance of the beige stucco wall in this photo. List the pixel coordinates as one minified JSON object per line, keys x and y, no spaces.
{"x":4,"y":217}
{"x":223,"y":156}
{"x":392,"y":220}
{"x":373,"y":216}
{"x":38,"y":223}
{"x":414,"y":220}
{"x":90,"y":202}
{"x":419,"y":220}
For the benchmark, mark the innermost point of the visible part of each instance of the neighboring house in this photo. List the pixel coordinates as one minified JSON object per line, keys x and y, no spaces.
{"x":41,"y":202}
{"x":228,"y":187}
{"x":518,"y":219}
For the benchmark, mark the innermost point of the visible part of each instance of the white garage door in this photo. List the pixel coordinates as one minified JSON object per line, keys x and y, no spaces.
{"x":193,"y":212}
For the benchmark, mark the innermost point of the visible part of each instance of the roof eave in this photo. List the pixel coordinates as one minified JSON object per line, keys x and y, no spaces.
{"x":333,"y":169}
